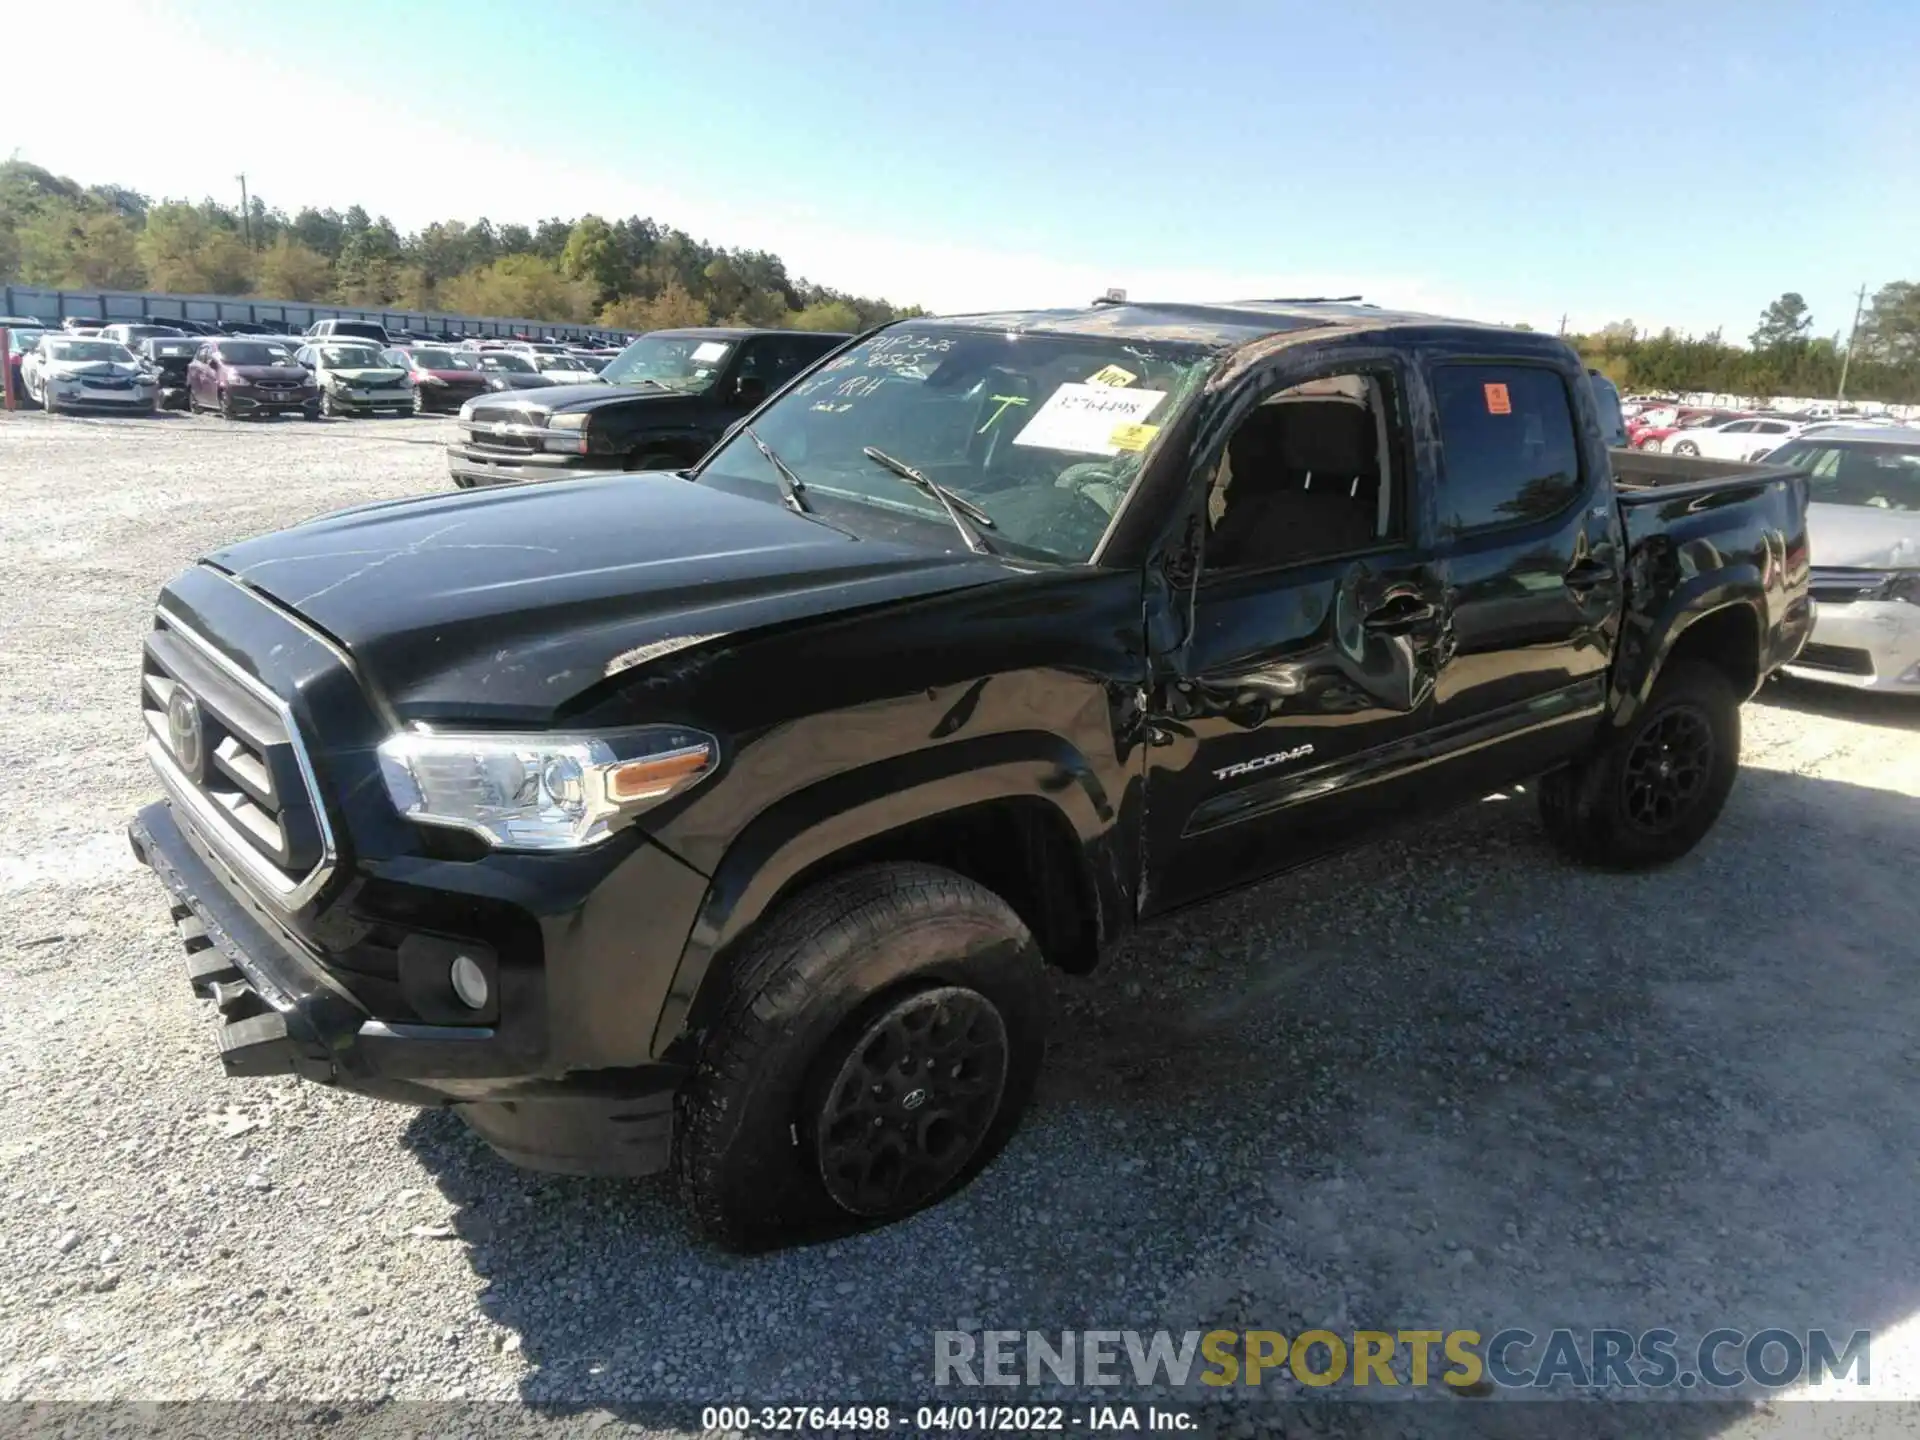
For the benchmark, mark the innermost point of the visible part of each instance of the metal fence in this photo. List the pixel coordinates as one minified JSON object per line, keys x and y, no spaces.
{"x":107,"y":306}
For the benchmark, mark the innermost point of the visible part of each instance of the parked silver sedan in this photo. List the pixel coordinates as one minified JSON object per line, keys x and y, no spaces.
{"x":1864,"y":529}
{"x":66,"y":373}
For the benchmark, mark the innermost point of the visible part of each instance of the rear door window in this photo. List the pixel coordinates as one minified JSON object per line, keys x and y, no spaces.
{"x":1510,"y":455}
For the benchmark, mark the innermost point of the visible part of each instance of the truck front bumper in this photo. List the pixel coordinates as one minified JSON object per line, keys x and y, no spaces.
{"x":472,"y":466}
{"x":282,"y":1012}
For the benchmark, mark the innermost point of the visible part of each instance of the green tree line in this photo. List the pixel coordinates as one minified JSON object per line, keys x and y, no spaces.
{"x":631,"y":274}
{"x":1781,"y":357}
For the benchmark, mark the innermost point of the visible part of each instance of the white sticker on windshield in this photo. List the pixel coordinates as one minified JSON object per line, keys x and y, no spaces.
{"x":709,"y":350}
{"x":1083,"y":418}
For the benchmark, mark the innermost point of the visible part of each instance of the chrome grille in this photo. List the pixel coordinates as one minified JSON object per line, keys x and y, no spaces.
{"x":506,"y":415}
{"x":226,"y":748}
{"x":1843,"y":587}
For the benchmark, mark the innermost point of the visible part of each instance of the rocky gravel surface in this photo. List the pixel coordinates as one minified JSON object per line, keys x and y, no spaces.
{"x":1446,"y":1081}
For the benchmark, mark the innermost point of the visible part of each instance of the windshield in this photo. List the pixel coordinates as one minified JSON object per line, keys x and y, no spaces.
{"x":86,"y":350}
{"x":687,"y":363}
{"x":498,"y":360}
{"x":1043,"y":433}
{"x":443,"y":360}
{"x":1884,"y":476}
{"x":352,"y":357}
{"x":562,"y":362}
{"x":147,"y":332}
{"x":254,"y":352}
{"x":21,"y":341}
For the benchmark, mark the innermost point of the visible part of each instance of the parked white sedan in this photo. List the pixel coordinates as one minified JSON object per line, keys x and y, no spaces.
{"x":1752,"y":438}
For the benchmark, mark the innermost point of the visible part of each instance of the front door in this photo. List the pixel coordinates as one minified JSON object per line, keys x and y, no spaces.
{"x":1286,"y":715}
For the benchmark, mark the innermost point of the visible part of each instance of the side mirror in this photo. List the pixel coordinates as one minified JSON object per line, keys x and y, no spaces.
{"x":750,"y":389}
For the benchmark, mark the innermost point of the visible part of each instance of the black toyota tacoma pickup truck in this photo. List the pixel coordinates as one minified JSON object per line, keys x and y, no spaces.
{"x":660,"y":404}
{"x":727,"y":820}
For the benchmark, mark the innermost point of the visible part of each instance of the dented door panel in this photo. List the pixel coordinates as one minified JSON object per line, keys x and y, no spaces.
{"x":1292,"y":687}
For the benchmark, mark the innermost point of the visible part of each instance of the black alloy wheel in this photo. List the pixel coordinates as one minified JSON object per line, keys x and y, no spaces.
{"x":911,"y":1102}
{"x":1667,"y":770}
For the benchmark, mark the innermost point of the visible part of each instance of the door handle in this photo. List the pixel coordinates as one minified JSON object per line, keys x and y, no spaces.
{"x":1586,"y":574}
{"x":1402,"y":612}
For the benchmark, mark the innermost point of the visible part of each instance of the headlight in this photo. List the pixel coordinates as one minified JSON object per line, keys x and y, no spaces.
{"x":572,"y":420}
{"x":541,"y":792}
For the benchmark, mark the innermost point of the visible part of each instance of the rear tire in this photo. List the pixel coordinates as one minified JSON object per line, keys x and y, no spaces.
{"x":1655,"y":786}
{"x":880,"y":1038}
{"x":1686,"y":447}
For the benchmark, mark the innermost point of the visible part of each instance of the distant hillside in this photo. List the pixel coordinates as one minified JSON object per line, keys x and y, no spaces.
{"x":634,"y":274}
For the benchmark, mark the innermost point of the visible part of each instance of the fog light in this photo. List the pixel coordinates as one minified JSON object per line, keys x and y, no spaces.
{"x":469,"y":982}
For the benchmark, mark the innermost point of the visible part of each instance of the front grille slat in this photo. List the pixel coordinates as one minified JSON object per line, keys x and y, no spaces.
{"x":246,"y":769}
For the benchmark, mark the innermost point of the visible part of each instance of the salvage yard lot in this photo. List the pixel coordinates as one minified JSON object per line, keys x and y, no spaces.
{"x":1449,"y":1081}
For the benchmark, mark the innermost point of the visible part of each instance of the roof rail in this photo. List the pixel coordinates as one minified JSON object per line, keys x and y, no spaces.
{"x":1312,"y":300}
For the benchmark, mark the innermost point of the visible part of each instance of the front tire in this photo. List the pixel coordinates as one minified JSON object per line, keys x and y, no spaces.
{"x":1686,"y":447}
{"x":227,"y":412}
{"x":1656,"y":785}
{"x":327,"y":407}
{"x":879,"y":1041}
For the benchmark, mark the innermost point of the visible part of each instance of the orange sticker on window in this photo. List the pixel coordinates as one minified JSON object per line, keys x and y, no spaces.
{"x":1497,"y":401}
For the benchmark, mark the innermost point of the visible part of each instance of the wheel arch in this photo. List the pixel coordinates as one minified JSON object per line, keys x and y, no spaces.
{"x":1715,"y":622}
{"x":1019,"y":813}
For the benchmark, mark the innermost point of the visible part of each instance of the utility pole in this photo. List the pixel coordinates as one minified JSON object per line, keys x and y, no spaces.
{"x":1846,"y":360}
{"x":246,"y":213}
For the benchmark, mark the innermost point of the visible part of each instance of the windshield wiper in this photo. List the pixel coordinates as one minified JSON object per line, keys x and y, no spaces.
{"x":790,"y":484}
{"x":963,"y":512}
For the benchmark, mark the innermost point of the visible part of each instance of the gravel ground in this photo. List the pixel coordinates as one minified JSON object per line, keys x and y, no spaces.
{"x":1446,"y":1081}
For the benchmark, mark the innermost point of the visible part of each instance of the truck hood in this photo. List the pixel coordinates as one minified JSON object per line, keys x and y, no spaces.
{"x":1863,"y":537}
{"x":595,"y":395}
{"x":503,"y":604}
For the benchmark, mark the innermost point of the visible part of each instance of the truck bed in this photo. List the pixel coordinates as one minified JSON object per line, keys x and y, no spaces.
{"x":1651,"y":469}
{"x":1696,"y":527}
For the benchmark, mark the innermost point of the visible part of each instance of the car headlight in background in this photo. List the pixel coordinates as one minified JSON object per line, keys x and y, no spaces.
{"x":541,"y":792}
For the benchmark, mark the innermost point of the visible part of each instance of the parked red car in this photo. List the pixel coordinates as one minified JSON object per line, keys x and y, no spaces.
{"x":1644,"y":437}
{"x":443,"y":379}
{"x":250,"y":377}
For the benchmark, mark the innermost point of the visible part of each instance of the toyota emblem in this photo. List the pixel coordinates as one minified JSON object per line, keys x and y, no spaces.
{"x":913,"y":1099}
{"x":184,"y":731}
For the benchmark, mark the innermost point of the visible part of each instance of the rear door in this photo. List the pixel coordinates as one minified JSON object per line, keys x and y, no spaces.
{"x":764,"y":364}
{"x":1529,"y":542}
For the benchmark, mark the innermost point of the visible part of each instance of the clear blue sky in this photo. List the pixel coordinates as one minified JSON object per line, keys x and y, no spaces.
{"x":1508,"y":160}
